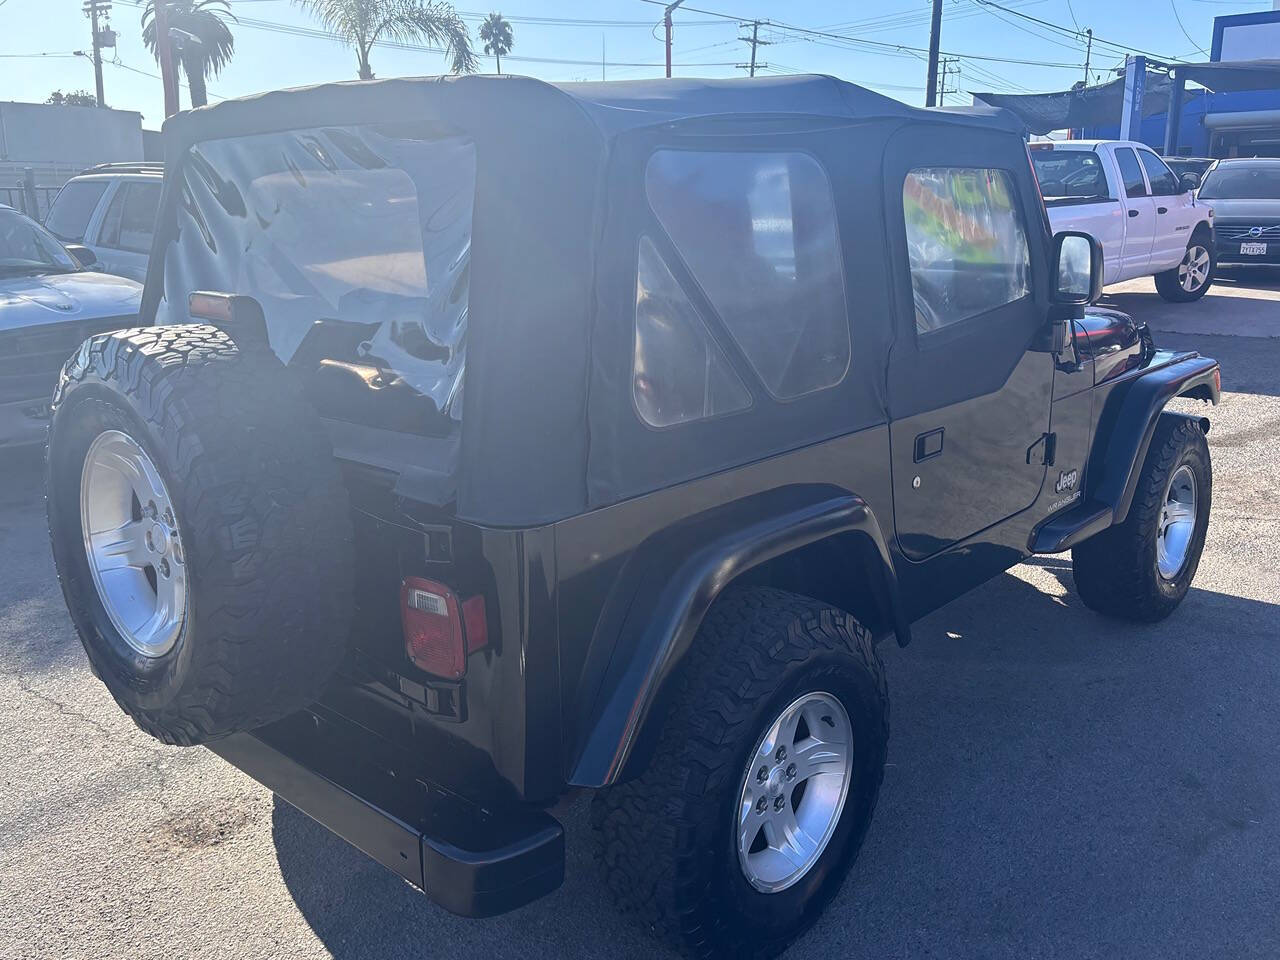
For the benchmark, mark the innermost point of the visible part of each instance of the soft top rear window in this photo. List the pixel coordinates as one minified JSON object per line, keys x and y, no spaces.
{"x":356,"y":241}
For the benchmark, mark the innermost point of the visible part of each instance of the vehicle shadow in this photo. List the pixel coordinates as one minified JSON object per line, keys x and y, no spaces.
{"x":1058,"y":785}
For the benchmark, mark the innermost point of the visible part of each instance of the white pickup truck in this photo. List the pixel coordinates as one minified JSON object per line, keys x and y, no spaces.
{"x":1147,"y":219}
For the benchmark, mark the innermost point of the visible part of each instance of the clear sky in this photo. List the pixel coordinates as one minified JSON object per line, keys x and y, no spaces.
{"x":278,"y":45}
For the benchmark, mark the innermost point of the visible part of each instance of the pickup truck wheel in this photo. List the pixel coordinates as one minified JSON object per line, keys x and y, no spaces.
{"x":200,"y":530}
{"x":1142,"y":568}
{"x":764,"y":781}
{"x":1190,"y":279}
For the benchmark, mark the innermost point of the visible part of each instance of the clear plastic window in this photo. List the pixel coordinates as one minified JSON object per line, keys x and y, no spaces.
{"x":966,"y":244}
{"x":758,"y":233}
{"x":356,"y":240}
{"x":680,"y":372}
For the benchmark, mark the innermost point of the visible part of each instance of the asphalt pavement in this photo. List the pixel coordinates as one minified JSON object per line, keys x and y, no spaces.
{"x":1059,"y":785}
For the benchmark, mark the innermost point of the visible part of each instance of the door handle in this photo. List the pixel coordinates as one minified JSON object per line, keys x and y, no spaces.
{"x":928,"y":445}
{"x":1133,"y":213}
{"x":1162,"y":209}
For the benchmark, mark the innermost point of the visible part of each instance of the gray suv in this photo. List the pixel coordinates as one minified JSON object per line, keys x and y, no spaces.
{"x":111,"y":209}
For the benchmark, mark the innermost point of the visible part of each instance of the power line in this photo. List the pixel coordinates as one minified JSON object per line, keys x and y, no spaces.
{"x":1177,"y":16}
{"x":1068,"y":31}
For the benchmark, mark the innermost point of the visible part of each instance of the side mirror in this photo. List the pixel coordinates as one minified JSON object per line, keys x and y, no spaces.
{"x":82,"y":254}
{"x":1076,"y":277}
{"x":1189,"y":181}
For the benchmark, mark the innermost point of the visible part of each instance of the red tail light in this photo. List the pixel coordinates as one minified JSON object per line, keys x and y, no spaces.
{"x":439,"y":631}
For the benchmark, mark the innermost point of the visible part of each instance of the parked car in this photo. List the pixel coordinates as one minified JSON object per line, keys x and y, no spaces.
{"x":1189,"y":170}
{"x":800,"y":366}
{"x":1148,"y":221}
{"x":1245,"y":196}
{"x":111,"y":209}
{"x":48,"y":305}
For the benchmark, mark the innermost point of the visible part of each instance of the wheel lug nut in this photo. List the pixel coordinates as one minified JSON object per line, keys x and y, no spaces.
{"x":791,"y":771}
{"x":778,"y":801}
{"x":164,"y":567}
{"x":781,"y":754}
{"x":762,"y":774}
{"x":762,"y":804}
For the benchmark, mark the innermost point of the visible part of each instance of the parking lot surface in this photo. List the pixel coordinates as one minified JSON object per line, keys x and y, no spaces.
{"x":1059,"y":785}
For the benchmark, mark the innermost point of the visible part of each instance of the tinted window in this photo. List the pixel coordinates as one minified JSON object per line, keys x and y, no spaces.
{"x":138,"y":217}
{"x":72,"y":209}
{"x":1163,"y":182}
{"x":1131,"y":173}
{"x":966,"y":244}
{"x":1242,"y":181}
{"x":1070,"y":173}
{"x":680,"y":372}
{"x":758,"y":233}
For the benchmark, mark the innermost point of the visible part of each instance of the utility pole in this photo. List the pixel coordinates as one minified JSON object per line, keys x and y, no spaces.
{"x":168,"y":76}
{"x":103,"y":36}
{"x":946,"y":64}
{"x":935,"y":33}
{"x":755,"y":41}
{"x":666,"y":22}
{"x":1088,"y":53}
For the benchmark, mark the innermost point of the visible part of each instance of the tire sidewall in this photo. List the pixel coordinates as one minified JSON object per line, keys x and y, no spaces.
{"x":147,"y":683}
{"x":764,"y":918}
{"x":1191,"y":454}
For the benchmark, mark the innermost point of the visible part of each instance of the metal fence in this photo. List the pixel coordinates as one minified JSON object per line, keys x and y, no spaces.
{"x":33,"y":201}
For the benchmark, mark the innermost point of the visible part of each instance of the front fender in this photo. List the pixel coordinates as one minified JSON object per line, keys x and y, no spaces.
{"x":682,"y":573}
{"x":1129,"y":418}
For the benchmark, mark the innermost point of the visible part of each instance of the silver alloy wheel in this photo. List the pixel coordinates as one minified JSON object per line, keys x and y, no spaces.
{"x":1193,"y":271}
{"x":794,"y":791}
{"x":1177,"y":523}
{"x":132,"y":541}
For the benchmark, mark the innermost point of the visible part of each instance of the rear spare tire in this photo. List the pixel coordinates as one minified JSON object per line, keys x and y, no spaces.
{"x":200,"y":529}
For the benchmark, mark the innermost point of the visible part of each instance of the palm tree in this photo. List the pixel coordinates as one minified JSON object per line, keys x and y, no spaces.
{"x":362,"y":23}
{"x":199,"y":39}
{"x":496,"y":34}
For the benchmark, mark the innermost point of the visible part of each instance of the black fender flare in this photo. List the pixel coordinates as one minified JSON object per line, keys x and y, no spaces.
{"x":685,"y":570}
{"x":1129,"y":419}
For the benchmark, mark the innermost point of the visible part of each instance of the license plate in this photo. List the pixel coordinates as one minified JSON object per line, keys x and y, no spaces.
{"x":1253,"y":249}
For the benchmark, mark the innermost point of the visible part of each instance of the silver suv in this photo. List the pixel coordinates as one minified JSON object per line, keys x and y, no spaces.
{"x":111,"y":209}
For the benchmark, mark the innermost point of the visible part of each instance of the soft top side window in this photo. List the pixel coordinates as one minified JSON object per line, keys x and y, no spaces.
{"x":758,"y":233}
{"x":966,"y":244}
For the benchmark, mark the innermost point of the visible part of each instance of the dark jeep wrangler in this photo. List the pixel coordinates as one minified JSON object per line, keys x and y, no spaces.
{"x":496,"y":440}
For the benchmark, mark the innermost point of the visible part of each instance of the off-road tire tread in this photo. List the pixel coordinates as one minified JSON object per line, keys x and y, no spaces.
{"x":1113,"y":570}
{"x":644,"y":845}
{"x":265,"y":522}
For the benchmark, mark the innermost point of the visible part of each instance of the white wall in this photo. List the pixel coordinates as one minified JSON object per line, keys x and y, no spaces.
{"x":38,"y":133}
{"x":1253,"y":41}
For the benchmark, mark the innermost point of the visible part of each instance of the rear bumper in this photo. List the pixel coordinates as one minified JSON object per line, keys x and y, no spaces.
{"x":474,"y":862}
{"x":1227,"y":252}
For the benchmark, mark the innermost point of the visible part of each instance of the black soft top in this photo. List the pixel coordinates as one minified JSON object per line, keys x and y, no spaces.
{"x":612,"y":107}
{"x":549,"y":429}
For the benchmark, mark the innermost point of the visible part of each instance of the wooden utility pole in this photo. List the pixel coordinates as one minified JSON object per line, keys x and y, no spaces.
{"x":935,"y":33}
{"x":946,"y":67}
{"x":103,"y":36}
{"x":1088,"y":53}
{"x":168,"y":75}
{"x":666,"y":22}
{"x":755,"y":41}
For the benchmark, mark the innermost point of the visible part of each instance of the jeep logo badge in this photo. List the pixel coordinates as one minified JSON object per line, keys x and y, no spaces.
{"x":1066,"y":480}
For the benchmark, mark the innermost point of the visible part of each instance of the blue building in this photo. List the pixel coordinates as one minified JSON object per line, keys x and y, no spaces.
{"x":1241,"y":123}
